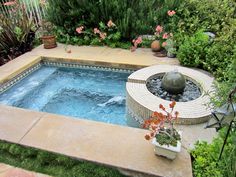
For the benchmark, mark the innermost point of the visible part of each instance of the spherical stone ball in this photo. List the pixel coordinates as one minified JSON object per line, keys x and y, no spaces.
{"x":173,"y":82}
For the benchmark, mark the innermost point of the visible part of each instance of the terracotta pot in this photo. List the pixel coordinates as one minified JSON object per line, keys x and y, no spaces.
{"x":156,"y":46}
{"x":49,"y":41}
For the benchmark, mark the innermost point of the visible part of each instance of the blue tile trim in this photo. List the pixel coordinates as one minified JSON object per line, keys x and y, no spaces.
{"x":19,"y":77}
{"x":81,"y":66}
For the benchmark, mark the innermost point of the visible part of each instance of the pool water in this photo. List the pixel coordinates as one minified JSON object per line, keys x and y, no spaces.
{"x":83,"y":93}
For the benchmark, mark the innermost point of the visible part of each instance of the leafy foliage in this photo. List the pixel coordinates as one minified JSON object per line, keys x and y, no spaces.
{"x":16,"y":35}
{"x":164,"y":139}
{"x":216,"y":16}
{"x":192,"y":51}
{"x":132,"y":17}
{"x":226,"y":85}
{"x":52,"y":164}
{"x":206,"y":158}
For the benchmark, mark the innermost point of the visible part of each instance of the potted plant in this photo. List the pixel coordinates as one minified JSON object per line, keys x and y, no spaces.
{"x":170,"y":48}
{"x":48,"y":38}
{"x":165,"y":137}
{"x":156,"y":44}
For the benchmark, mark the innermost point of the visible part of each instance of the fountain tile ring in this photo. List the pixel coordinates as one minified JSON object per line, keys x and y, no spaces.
{"x":141,"y":103}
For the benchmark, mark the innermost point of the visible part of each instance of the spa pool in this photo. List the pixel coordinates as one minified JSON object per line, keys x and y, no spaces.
{"x":87,"y":93}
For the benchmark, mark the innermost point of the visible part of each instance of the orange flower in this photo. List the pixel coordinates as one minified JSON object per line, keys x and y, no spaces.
{"x":172,"y":105}
{"x":155,"y":114}
{"x":162,"y":107}
{"x":158,"y":120}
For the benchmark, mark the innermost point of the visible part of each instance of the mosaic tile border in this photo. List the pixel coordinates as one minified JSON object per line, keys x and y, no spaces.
{"x":84,"y":66}
{"x":5,"y":86}
{"x":28,"y":71}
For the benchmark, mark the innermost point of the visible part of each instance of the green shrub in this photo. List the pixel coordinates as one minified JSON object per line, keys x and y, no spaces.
{"x":132,"y":17}
{"x":226,"y":84}
{"x":193,"y":50}
{"x":209,"y":15}
{"x":206,"y":157}
{"x":216,"y":16}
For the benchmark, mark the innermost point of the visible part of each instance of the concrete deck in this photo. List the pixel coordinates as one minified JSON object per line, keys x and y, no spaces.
{"x":112,"y":145}
{"x":10,"y":171}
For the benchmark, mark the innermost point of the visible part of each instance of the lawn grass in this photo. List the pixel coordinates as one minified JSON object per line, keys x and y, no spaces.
{"x":50,"y":163}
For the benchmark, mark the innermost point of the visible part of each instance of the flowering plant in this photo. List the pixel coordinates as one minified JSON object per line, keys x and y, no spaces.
{"x":105,"y":33}
{"x":165,"y":135}
{"x":136,"y":42}
{"x":161,"y":34}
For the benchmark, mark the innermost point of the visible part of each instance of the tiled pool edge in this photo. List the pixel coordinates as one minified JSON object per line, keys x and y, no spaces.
{"x":62,"y":63}
{"x":26,"y":69}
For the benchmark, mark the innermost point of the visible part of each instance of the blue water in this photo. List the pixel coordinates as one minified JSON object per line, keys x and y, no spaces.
{"x":82,"y":93}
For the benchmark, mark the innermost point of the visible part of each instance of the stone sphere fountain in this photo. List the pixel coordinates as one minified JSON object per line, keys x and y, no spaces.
{"x":159,"y":84}
{"x":173,"y":82}
{"x":173,"y":85}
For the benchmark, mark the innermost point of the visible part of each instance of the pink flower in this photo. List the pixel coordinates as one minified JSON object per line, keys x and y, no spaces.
{"x":110,"y":24}
{"x":9,"y":3}
{"x":164,"y":44}
{"x":96,"y":31}
{"x":165,"y":36}
{"x":139,"y":40}
{"x":171,"y":12}
{"x":79,"y":30}
{"x":159,"y":29}
{"x":103,"y":35}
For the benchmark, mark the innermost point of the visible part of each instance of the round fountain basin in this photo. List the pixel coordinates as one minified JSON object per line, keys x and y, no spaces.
{"x":141,"y":103}
{"x":190,"y":92}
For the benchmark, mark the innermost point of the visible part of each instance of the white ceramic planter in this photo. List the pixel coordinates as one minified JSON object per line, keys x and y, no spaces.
{"x":169,"y":152}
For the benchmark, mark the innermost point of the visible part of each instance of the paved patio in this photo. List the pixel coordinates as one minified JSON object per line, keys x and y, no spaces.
{"x":10,"y":171}
{"x":112,"y":145}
